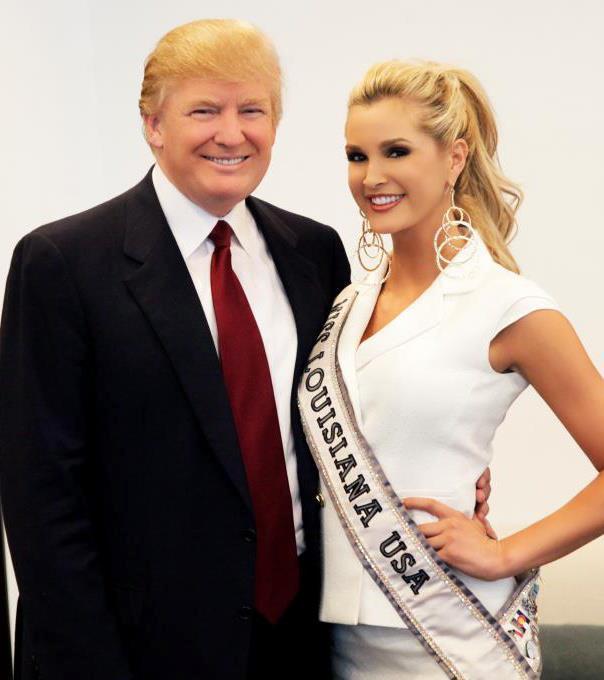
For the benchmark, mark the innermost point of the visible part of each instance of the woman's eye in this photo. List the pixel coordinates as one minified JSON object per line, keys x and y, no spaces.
{"x":355,"y":157}
{"x":398,"y":152}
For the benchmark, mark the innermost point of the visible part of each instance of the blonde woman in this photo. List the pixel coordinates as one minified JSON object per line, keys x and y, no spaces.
{"x":415,"y":369}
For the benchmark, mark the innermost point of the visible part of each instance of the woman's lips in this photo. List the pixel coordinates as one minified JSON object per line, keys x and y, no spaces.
{"x":385,"y":202}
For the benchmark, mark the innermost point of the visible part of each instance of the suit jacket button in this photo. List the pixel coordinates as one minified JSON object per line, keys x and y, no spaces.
{"x":245,"y":613}
{"x":320,"y":500}
{"x":249,"y":535}
{"x":36,"y":665}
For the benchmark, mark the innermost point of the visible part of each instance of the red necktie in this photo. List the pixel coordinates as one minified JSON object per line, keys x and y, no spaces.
{"x":248,"y":383}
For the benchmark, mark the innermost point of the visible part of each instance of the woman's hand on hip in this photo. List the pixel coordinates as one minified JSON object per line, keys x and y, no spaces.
{"x":459,"y":541}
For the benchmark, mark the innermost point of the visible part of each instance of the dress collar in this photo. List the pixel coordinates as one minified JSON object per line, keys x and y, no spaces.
{"x":420,"y":316}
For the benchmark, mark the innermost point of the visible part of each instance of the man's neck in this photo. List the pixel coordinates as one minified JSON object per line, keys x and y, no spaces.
{"x":216,"y":208}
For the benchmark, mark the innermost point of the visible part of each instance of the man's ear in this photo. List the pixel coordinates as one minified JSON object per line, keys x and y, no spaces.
{"x":459,"y":154}
{"x":153,"y":130}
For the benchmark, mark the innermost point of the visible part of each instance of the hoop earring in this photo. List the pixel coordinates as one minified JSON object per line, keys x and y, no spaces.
{"x":371,"y":247}
{"x":456,"y":232}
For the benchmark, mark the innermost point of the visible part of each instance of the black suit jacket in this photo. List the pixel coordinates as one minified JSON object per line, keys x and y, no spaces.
{"x":124,"y":491}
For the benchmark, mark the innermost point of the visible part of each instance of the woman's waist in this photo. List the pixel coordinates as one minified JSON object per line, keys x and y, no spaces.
{"x":459,"y":494}
{"x":372,"y":607}
{"x":349,"y":593}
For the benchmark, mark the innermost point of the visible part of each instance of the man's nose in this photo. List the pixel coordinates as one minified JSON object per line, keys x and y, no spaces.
{"x":230,"y":130}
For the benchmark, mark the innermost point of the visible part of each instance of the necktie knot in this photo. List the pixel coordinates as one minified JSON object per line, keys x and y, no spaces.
{"x":221,"y":234}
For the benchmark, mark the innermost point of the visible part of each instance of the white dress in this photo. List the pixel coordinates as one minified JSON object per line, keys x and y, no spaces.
{"x":428,"y":403}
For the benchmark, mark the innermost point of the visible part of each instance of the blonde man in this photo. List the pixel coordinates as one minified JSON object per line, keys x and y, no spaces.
{"x":159,"y":496}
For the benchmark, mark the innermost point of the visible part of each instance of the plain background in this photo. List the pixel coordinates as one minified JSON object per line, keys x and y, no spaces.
{"x":71,"y":138}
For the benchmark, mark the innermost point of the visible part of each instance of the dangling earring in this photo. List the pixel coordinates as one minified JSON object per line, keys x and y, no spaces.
{"x":456,"y":232}
{"x":371,"y":247}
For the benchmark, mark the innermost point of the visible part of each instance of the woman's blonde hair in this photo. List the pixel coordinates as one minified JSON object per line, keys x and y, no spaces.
{"x":215,"y":49}
{"x":455,"y":106}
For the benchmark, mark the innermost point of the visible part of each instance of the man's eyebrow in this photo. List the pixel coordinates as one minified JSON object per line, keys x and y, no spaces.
{"x":252,"y":101}
{"x":205,"y":102}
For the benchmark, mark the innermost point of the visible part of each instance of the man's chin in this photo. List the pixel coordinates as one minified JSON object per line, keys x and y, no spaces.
{"x":219,"y":203}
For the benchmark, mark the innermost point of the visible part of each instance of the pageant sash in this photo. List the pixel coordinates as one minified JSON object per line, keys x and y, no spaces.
{"x":446,"y":617}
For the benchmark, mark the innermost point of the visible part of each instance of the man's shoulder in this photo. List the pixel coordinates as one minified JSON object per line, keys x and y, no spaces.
{"x":317,"y":242}
{"x":88,"y":226}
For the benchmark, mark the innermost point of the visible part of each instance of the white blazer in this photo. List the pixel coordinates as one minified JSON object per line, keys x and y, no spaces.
{"x":428,"y":402}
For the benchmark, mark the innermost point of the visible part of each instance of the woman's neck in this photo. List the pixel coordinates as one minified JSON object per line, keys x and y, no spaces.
{"x":413,"y":264}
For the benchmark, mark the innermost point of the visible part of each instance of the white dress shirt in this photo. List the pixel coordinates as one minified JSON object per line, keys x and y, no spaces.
{"x":255,"y":269}
{"x":428,"y":403}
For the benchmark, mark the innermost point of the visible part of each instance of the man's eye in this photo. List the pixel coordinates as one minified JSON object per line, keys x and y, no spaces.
{"x":398,"y":152}
{"x":355,"y":156}
{"x":204,"y":112}
{"x":253,"y":111}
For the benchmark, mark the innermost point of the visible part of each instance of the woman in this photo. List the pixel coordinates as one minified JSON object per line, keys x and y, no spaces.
{"x":411,"y":376}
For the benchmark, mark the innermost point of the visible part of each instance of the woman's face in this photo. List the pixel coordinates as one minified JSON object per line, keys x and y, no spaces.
{"x":399,"y":176}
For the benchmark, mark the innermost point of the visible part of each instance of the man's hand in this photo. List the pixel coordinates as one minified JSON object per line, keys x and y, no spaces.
{"x":481,"y":509}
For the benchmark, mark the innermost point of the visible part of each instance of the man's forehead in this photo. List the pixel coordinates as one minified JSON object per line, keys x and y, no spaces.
{"x":204,"y":88}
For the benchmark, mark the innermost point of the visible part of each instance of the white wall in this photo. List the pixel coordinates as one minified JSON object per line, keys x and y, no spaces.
{"x":71,"y":138}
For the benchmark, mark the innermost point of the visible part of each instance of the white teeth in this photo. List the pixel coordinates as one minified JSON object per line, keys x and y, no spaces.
{"x":384,"y":200}
{"x":226,"y":161}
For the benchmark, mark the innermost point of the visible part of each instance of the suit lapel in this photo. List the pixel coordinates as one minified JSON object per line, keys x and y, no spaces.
{"x":166,"y":295}
{"x":298,"y":275}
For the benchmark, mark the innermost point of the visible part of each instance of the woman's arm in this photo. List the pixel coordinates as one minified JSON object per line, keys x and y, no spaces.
{"x":544,"y":348}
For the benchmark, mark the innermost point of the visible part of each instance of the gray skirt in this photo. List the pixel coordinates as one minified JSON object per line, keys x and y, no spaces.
{"x":378,"y":653}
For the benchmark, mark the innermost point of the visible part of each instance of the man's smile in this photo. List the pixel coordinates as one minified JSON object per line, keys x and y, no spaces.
{"x":226,"y":160}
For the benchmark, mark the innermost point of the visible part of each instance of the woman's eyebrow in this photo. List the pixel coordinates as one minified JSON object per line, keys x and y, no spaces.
{"x":397,"y":140}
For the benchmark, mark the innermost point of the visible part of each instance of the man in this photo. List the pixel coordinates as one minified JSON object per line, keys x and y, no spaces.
{"x":161,"y":503}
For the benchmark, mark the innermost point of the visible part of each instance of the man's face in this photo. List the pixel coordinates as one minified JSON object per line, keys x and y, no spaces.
{"x":213,"y":140}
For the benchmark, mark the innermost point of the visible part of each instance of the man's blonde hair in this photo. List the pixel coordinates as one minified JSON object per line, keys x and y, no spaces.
{"x":215,"y":49}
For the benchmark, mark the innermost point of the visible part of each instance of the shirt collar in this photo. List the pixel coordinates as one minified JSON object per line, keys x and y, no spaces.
{"x":191,"y":224}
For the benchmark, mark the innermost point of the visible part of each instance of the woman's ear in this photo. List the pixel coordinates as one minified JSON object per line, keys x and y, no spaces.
{"x":458,"y":156}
